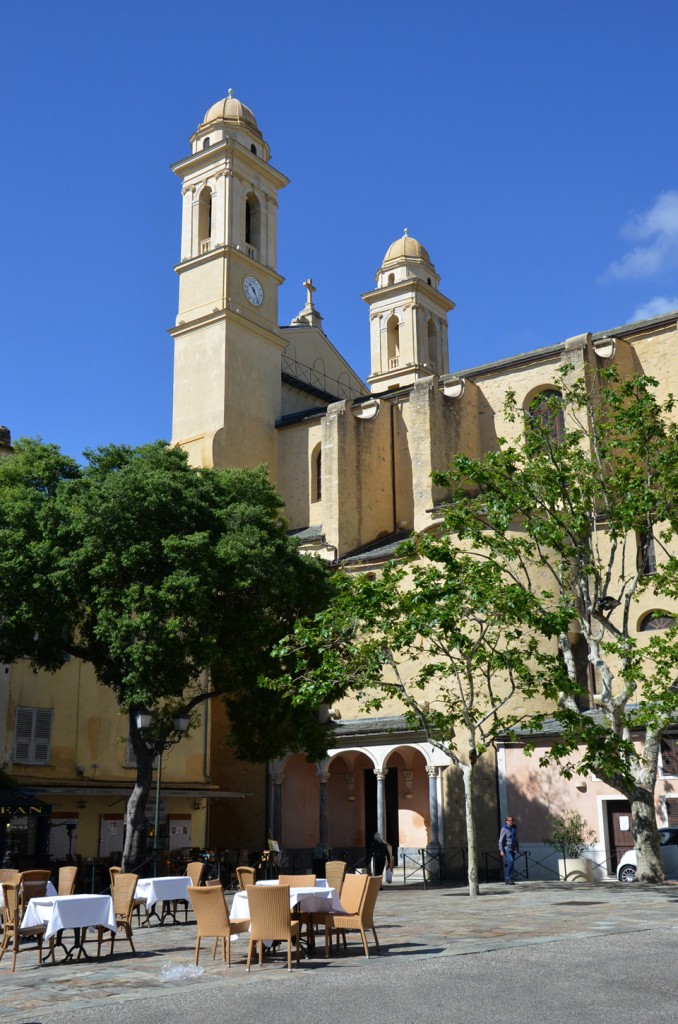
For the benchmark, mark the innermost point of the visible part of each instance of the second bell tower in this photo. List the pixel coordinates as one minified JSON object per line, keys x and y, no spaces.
{"x":227,"y":345}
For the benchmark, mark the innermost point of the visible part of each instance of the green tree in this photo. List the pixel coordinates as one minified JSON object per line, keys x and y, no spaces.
{"x":441,"y":632}
{"x":161,"y":576}
{"x":580,"y":509}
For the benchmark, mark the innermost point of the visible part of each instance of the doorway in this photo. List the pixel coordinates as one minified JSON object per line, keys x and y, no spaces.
{"x":619,"y":831}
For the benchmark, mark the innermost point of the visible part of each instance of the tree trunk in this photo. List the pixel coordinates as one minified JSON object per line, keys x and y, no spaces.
{"x":134,"y":851}
{"x":645,"y":837}
{"x":467,"y":771}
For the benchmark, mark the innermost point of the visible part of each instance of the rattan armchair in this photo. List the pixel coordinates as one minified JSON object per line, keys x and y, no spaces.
{"x":271,"y":920}
{"x":11,"y":921}
{"x":32,"y":886}
{"x":213,"y":920}
{"x":359,"y":921}
{"x":246,"y":876}
{"x":123,"y":908}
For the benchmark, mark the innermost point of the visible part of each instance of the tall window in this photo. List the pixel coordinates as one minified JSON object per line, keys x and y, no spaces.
{"x":432,"y":339}
{"x":32,"y":735}
{"x":647,"y":557}
{"x":669,"y":756}
{"x":547,"y":409}
{"x":316,"y":474}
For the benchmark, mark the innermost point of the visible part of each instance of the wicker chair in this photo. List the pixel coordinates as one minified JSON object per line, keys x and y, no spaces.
{"x":68,"y":876}
{"x":213,"y":881}
{"x":123,"y":908}
{"x":139,"y":905}
{"x":271,"y":920}
{"x":211,"y":914}
{"x":9,"y":875}
{"x":360,"y":921}
{"x":335,"y":872}
{"x":246,"y":876}
{"x":32,"y":885}
{"x":11,"y":920}
{"x":305,"y":919}
{"x":195,"y":871}
{"x":297,"y":880}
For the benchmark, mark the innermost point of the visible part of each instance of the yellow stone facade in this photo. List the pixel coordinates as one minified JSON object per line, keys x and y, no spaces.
{"x":353,"y":462}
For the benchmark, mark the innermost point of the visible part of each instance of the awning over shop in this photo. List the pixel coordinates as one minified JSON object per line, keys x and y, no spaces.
{"x":19,"y":803}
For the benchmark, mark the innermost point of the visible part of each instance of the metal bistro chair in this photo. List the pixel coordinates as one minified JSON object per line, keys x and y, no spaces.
{"x":213,"y":920}
{"x":12,"y":930}
{"x":271,"y":920}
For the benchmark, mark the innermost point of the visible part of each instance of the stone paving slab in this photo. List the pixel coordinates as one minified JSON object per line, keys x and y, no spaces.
{"x":411,"y":922}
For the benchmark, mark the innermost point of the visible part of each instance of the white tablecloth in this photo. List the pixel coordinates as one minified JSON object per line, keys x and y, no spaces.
{"x":51,"y":891}
{"x":58,"y":912}
{"x":156,"y":890}
{"x":309,"y":899}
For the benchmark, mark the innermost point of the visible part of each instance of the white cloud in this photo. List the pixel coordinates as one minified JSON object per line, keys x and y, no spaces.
{"x":655,"y":307}
{"x":656,"y":231}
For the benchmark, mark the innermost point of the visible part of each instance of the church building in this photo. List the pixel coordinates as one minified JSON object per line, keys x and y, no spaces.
{"x":353,"y":463}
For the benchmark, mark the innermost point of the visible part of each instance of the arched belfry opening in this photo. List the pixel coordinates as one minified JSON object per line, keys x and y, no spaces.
{"x":252,"y":225}
{"x":205,"y":219}
{"x":393,"y":341}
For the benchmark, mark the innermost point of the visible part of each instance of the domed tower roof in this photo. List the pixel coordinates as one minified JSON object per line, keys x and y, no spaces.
{"x":406,"y":248}
{"x":231,"y":109}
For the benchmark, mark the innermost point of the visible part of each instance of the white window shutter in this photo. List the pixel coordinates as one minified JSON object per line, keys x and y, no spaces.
{"x":32,"y":735}
{"x":23,"y":734}
{"x":42,"y":735}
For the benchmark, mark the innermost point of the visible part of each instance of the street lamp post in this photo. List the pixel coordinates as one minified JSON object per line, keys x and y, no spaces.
{"x":165,"y":739}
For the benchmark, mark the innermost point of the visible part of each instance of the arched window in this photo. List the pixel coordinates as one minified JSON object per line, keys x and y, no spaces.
{"x":547,"y":409}
{"x":206,"y":143}
{"x":253,"y":148}
{"x":252,"y":225}
{"x":391,"y":279}
{"x":393,"y":341}
{"x":317,"y":473}
{"x":657,"y":620}
{"x":205,"y":219}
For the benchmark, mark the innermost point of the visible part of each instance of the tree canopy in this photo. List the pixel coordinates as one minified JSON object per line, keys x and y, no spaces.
{"x":156,"y":572}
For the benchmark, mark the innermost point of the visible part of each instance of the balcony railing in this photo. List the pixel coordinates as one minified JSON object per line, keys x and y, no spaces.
{"x":252,"y":251}
{"x":205,"y":245}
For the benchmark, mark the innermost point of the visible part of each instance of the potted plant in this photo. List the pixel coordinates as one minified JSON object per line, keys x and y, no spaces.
{"x":570,"y":836}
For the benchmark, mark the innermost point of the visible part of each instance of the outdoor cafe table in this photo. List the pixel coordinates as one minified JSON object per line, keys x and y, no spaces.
{"x":165,"y":890}
{"x":309,"y":899}
{"x":78,"y":912}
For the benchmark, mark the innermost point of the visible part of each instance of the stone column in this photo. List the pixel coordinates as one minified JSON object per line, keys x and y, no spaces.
{"x":433,"y":773}
{"x":381,"y":804}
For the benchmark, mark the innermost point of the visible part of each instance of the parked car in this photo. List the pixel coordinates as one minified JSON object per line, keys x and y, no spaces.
{"x":668,"y":837}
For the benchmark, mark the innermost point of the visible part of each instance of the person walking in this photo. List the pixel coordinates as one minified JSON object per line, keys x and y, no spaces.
{"x":380,"y":854}
{"x":508,"y":848}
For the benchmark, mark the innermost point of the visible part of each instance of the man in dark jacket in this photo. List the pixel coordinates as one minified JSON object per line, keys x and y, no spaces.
{"x":508,"y":849}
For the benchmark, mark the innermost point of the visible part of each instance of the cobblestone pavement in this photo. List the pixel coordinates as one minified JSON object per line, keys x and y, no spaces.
{"x":411,"y":922}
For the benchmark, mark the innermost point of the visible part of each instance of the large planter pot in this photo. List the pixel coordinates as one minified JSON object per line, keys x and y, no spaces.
{"x":575,"y":869}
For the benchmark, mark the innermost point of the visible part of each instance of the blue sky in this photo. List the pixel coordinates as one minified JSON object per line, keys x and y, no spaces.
{"x":526,"y":145}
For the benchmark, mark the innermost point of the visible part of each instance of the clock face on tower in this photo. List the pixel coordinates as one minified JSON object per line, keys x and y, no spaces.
{"x":254,"y":293}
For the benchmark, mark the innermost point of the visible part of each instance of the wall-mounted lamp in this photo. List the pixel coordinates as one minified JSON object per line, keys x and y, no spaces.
{"x":80,"y":770}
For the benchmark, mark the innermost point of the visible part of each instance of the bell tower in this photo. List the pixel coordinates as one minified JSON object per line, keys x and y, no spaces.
{"x":408,"y":318}
{"x":227,"y":354}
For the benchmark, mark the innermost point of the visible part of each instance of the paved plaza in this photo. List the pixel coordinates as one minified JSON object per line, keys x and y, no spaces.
{"x":415,"y":927}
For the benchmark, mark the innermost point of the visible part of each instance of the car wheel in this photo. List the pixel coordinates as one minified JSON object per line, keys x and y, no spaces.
{"x":627,"y":873}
